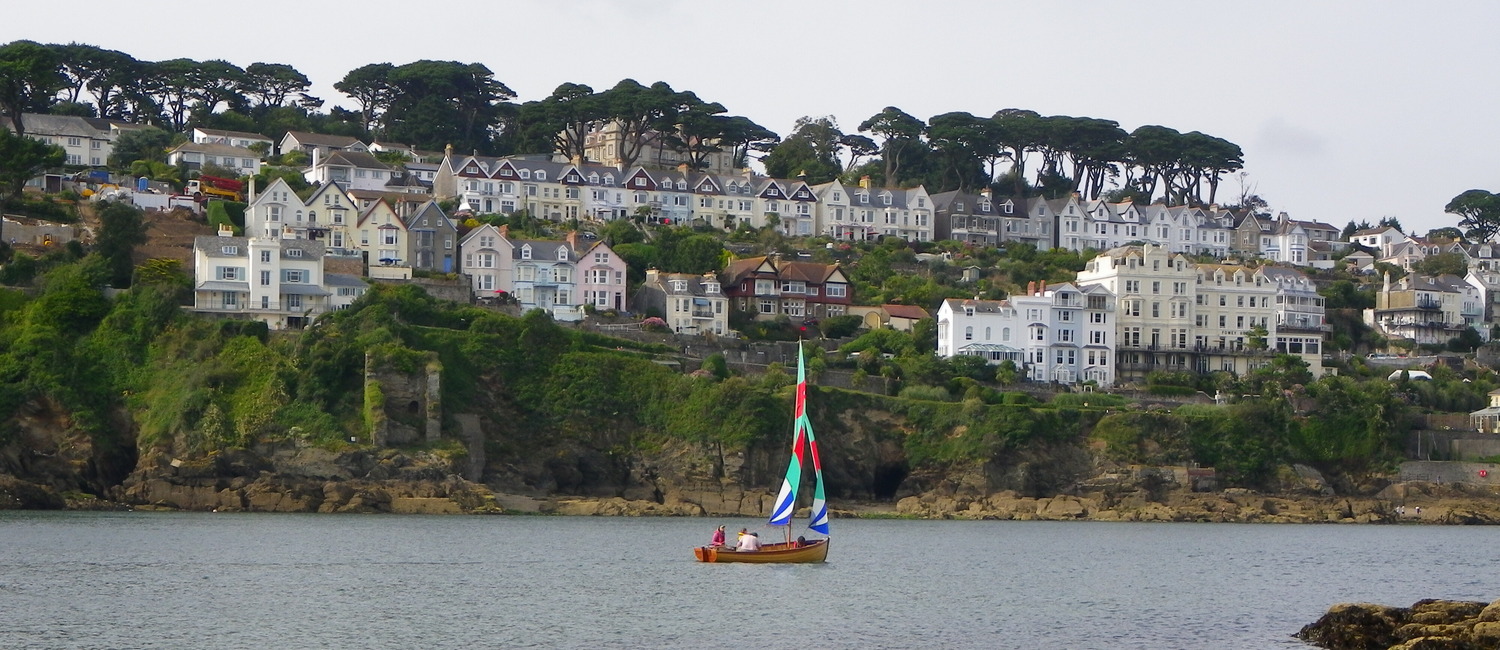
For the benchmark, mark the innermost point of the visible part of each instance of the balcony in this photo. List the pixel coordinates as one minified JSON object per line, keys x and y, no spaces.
{"x":1428,"y":303}
{"x":1302,"y":327}
{"x":699,"y":313}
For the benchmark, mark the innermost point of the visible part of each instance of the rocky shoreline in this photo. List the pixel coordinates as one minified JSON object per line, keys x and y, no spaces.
{"x":1445,"y":624}
{"x":294,"y":477}
{"x":199,"y":488}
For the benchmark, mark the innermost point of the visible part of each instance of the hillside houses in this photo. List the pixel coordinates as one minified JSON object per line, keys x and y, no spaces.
{"x":564,"y":278}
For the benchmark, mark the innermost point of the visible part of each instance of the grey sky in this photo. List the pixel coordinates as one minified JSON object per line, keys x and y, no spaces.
{"x":1345,"y":110}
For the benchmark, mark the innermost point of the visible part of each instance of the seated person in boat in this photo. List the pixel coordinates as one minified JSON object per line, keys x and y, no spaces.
{"x":718,"y":539}
{"x":801,"y":542}
{"x":750,"y":542}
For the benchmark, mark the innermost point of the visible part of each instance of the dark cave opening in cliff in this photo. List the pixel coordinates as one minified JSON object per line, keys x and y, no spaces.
{"x":888,"y":478}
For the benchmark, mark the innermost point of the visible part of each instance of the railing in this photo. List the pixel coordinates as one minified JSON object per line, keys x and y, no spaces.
{"x":702,"y":314}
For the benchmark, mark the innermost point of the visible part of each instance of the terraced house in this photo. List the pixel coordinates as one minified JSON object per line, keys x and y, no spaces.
{"x":554,"y":276}
{"x":561,"y":191}
{"x":770,"y":287}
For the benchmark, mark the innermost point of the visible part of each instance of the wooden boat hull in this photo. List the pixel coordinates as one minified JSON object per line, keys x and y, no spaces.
{"x":816,"y":551}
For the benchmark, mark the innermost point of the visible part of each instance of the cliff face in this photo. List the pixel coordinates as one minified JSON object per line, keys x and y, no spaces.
{"x":44,"y":459}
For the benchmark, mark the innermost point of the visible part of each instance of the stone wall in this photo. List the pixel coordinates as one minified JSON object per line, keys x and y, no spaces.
{"x":1450,"y":445}
{"x":1433,"y":471}
{"x":457,"y":290}
{"x":21,"y":230}
{"x":411,"y":409}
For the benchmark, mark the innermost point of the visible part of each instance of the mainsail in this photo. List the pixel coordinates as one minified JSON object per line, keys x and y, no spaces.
{"x":802,"y":437}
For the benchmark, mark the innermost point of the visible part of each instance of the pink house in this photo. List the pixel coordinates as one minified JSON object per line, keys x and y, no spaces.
{"x":601,"y":273}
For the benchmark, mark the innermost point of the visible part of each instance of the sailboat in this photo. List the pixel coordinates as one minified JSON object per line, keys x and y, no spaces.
{"x":789,"y":552}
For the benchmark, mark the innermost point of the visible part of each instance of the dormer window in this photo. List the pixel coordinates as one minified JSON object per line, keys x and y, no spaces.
{"x":985,"y":206}
{"x":294,"y":252}
{"x":679,"y":285}
{"x":526,"y":252}
{"x":593,"y":179}
{"x":541,"y":175}
{"x":864,"y":199}
{"x":681,"y":185}
{"x":230,"y":250}
{"x":885,"y":199}
{"x":958,"y":206}
{"x":526,"y":173}
{"x":711,"y":288}
{"x":609,"y":180}
{"x":562,"y":254}
{"x":506,"y":172}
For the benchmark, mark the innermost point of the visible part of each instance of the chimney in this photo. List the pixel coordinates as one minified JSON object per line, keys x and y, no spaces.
{"x":864,"y":182}
{"x":316,"y":151}
{"x":572,"y":240}
{"x":251,"y":195}
{"x":448,"y":150}
{"x":985,"y":193}
{"x":505,"y":230}
{"x":652,"y":276}
{"x":684,"y":169}
{"x":576,"y":160}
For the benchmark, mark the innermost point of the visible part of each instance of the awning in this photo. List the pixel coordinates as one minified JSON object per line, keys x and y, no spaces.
{"x":303,"y":290}
{"x":224,"y":285}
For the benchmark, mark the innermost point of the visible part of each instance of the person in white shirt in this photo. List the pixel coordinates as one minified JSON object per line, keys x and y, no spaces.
{"x":750,"y":542}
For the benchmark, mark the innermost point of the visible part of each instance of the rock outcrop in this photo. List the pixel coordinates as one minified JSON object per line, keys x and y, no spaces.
{"x":296,"y":478}
{"x":1428,"y":624}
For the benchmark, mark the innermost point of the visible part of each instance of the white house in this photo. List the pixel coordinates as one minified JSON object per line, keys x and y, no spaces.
{"x":239,"y":139}
{"x":276,"y":281}
{"x":193,"y":155}
{"x":1063,"y":333}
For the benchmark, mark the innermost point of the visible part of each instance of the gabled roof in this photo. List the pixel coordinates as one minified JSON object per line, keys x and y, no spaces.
{"x":543,"y":249}
{"x":358,"y":159}
{"x":321,"y":140}
{"x":243,"y":135}
{"x":216,"y":149}
{"x":429,"y":210}
{"x":911,"y":312}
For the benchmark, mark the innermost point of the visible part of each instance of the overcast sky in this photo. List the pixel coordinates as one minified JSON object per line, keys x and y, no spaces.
{"x":1345,"y":110}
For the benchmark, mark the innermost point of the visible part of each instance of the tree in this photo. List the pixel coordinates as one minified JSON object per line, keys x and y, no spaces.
{"x":1479,"y":214}
{"x":29,"y":79}
{"x":1391,"y":222}
{"x":858,"y":147}
{"x":562,"y":119}
{"x":147,"y":143}
{"x":639,"y":112}
{"x":105,"y":74}
{"x":1352,"y":227}
{"x":22,"y":158}
{"x":273,"y":83}
{"x":895,"y":127}
{"x":1017,"y":132}
{"x":370,"y":87}
{"x":438,"y":103}
{"x":740,"y":135}
{"x":811,"y":148}
{"x":1452,"y":263}
{"x":962,"y":142}
{"x":122,"y":228}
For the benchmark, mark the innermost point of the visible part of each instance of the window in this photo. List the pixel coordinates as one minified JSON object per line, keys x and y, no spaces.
{"x":969,"y":333}
{"x":230,"y":250}
{"x":837,"y":291}
{"x":294,"y":276}
{"x":231,"y":273}
{"x":294,"y":252}
{"x":265,"y":256}
{"x":265,"y":278}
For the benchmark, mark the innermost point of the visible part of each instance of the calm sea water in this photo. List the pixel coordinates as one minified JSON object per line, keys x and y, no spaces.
{"x":154,"y":580}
